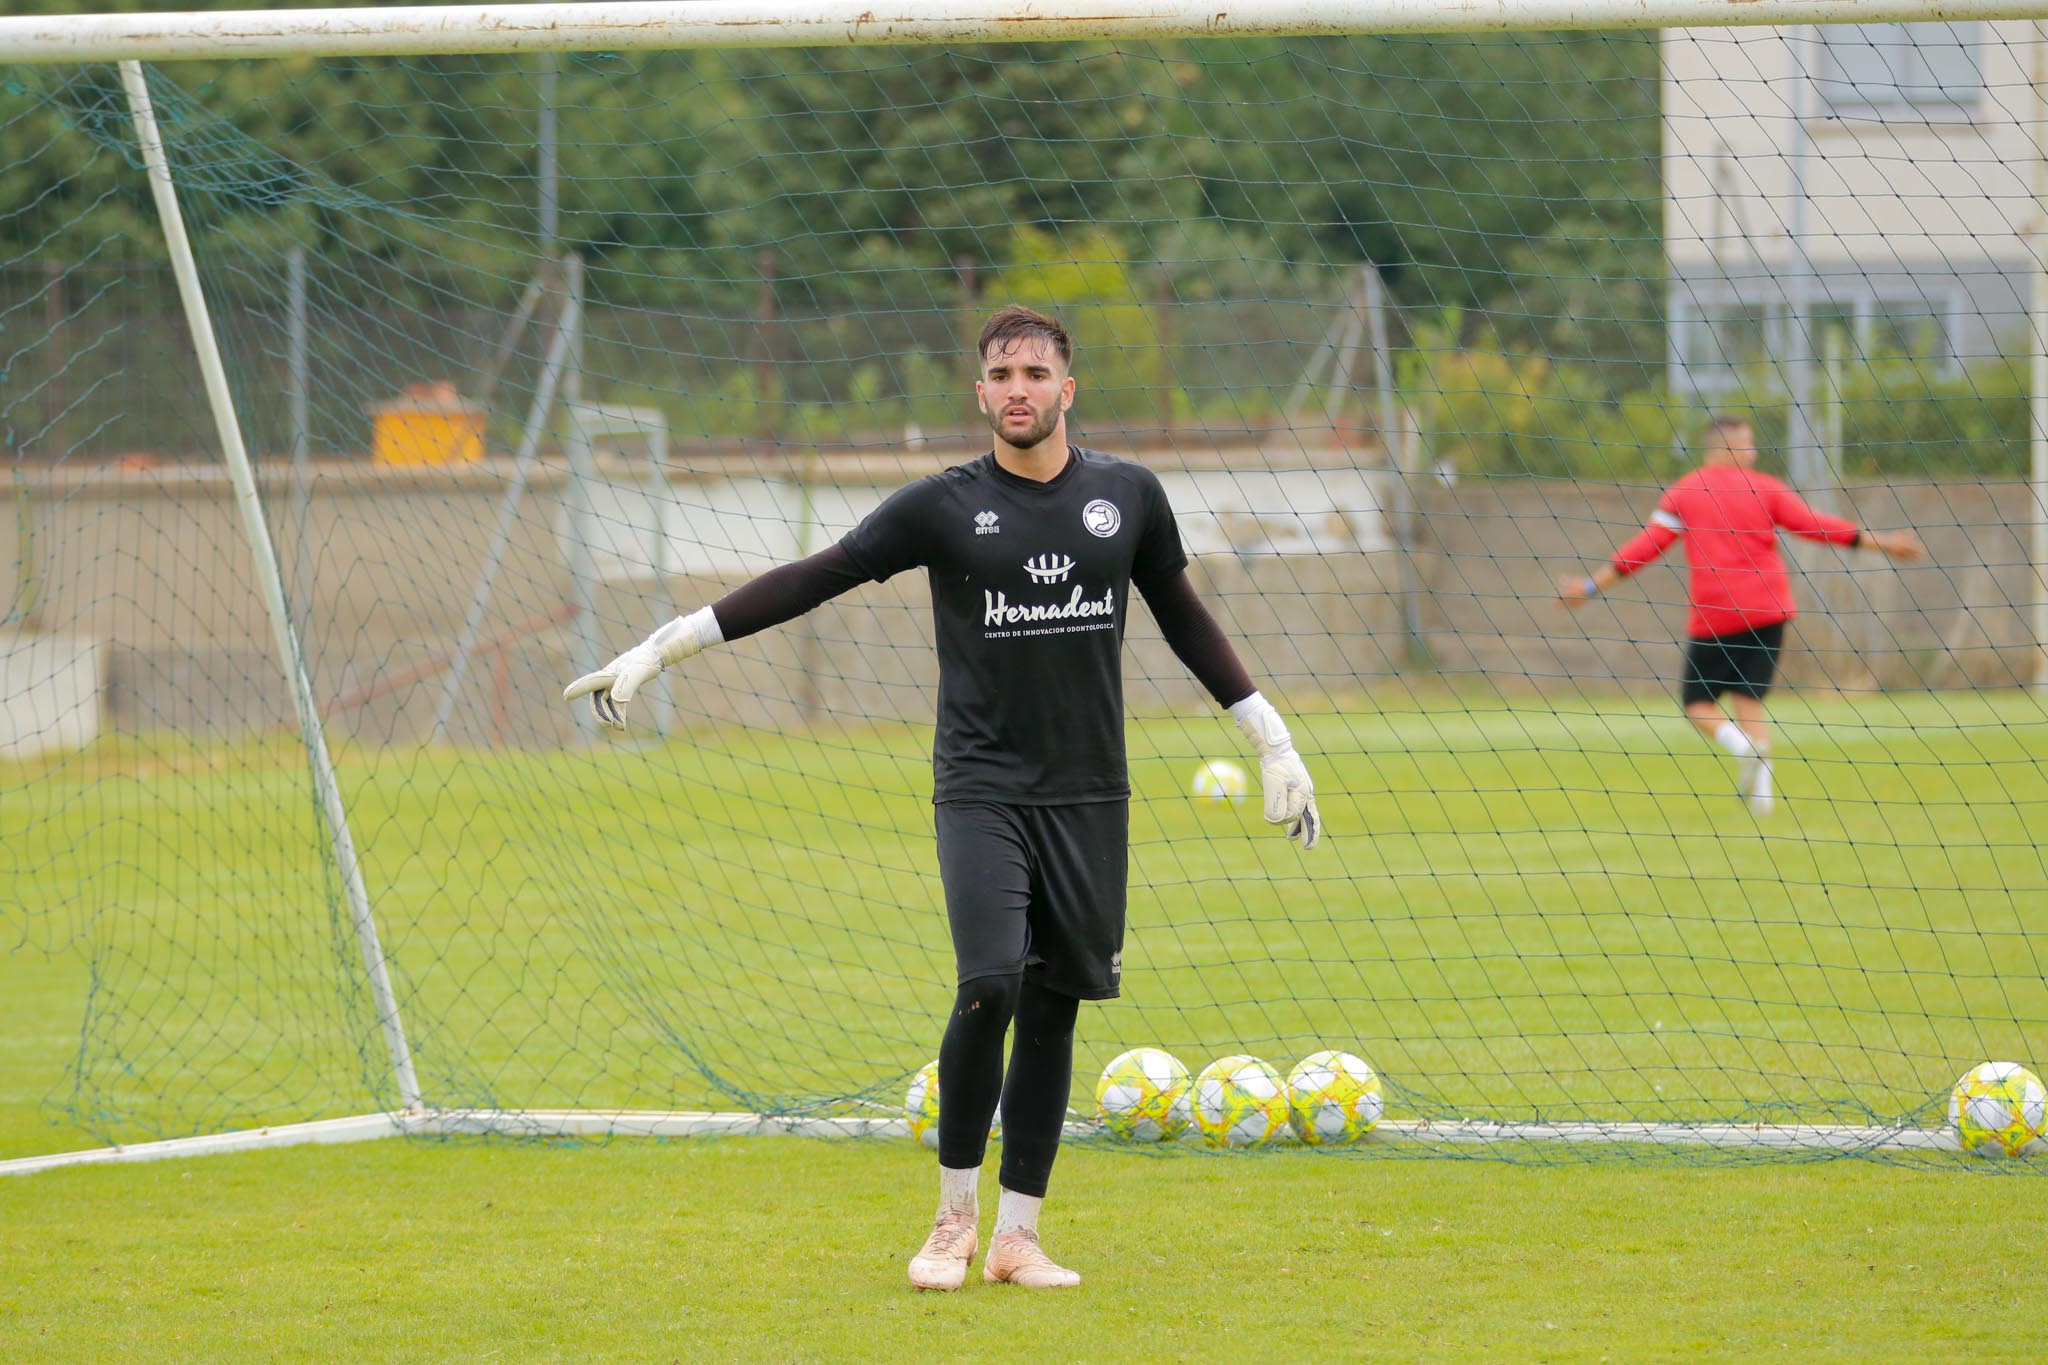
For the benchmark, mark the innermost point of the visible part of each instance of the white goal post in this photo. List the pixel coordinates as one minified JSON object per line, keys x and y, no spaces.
{"x":674,"y":24}
{"x":443,"y":29}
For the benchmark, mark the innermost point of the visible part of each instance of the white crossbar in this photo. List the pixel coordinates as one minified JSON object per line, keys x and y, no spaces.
{"x":429,"y":29}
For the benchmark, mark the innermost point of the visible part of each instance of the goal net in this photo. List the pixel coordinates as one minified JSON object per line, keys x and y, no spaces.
{"x":531,"y":352}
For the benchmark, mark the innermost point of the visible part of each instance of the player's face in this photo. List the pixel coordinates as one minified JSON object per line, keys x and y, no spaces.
{"x":1024,"y":390}
{"x":1733,"y":445}
{"x":1741,"y":446}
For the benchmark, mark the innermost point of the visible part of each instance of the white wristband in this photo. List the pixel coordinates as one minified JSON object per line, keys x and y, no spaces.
{"x":686,"y":635}
{"x":1262,"y":725}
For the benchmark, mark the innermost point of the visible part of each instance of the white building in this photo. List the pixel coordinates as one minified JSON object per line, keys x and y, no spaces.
{"x":1917,"y":146}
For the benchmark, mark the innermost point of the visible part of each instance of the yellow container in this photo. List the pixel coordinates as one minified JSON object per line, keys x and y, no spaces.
{"x":427,"y":424}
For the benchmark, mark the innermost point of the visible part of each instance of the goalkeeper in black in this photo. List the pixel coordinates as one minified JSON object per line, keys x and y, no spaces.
{"x":1032,"y":551}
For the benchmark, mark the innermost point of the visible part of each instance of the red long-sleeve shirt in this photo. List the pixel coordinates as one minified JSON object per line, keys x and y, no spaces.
{"x":1730,"y":518}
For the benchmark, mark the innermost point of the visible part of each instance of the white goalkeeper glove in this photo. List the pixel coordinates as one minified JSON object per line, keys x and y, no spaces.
{"x":1290,"y":796}
{"x":612,"y":686}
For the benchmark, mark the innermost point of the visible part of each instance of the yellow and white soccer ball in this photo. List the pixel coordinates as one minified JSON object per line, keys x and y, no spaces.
{"x":1998,"y":1108}
{"x":1143,"y":1096}
{"x":921,"y":1105}
{"x":1219,"y":780}
{"x":1333,"y":1097}
{"x":1240,"y":1102}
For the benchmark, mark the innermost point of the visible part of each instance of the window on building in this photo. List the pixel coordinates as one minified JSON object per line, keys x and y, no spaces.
{"x":1899,"y":330}
{"x":1728,"y":338}
{"x":1834,"y":327}
{"x":1725,"y":345}
{"x":1900,"y":69}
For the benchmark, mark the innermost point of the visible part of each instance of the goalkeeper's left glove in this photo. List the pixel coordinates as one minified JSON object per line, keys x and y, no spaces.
{"x":1290,"y":796}
{"x":612,"y":686}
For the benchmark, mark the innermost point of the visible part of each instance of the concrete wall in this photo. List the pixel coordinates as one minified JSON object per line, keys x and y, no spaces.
{"x":1957,"y":620}
{"x":151,"y":566}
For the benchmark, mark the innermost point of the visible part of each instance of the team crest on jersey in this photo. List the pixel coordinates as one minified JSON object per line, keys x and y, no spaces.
{"x":1049,"y":568}
{"x":985,"y":524}
{"x":1101,"y":518}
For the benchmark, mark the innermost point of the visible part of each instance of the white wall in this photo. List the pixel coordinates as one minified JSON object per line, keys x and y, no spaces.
{"x":727,"y":527}
{"x":1885,"y":194}
{"x":51,"y":685}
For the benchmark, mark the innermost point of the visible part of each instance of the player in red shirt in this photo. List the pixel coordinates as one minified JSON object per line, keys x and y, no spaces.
{"x":1729,"y":516}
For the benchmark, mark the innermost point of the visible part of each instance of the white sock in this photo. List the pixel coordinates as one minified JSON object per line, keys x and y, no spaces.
{"x":1730,"y":737}
{"x":960,"y":1190}
{"x":1017,"y":1213}
{"x":1760,"y":785}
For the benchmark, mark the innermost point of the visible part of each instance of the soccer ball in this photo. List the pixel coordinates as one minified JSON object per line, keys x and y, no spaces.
{"x":922,"y":1105}
{"x":1239,"y":1102}
{"x":1998,"y":1108}
{"x":1332,"y":1097}
{"x":1219,"y":780}
{"x":1143,"y":1096}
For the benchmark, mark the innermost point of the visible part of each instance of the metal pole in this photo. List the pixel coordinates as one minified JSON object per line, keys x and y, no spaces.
{"x":582,"y":519}
{"x":1394,"y":440}
{"x":302,"y":445}
{"x":1834,"y":398}
{"x":420,"y":30}
{"x":508,"y":511}
{"x":1805,"y":462}
{"x":214,"y":374}
{"x":549,"y":169}
{"x":1854,"y":592}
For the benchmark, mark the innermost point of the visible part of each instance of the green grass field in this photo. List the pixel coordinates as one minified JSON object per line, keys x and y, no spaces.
{"x":786,"y":1249}
{"x":1526,"y":911}
{"x":1520,"y":912}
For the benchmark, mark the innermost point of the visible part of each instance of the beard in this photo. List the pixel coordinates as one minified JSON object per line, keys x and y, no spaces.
{"x":1041,"y":427}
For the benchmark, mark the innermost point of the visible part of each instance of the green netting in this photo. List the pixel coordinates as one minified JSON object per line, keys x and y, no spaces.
{"x":1408,"y":327}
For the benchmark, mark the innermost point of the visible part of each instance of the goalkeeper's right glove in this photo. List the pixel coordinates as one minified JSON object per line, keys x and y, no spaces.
{"x":1290,"y":796}
{"x":612,"y":686}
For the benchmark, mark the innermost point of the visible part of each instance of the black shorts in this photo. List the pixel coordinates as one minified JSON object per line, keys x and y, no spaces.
{"x":1037,"y":890}
{"x":1743,"y":661}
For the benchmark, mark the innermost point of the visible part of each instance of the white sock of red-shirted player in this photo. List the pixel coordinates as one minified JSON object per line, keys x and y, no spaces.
{"x":1758,"y":787}
{"x":1752,"y":765}
{"x":1730,"y":736}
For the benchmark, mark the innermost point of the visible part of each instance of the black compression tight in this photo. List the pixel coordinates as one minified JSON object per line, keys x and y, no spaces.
{"x":971,"y":1067}
{"x":1033,"y":1094}
{"x":1035,"y":1091}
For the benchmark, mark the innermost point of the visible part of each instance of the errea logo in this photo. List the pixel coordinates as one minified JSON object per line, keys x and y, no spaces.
{"x":1049,"y":568}
{"x":985,"y":524}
